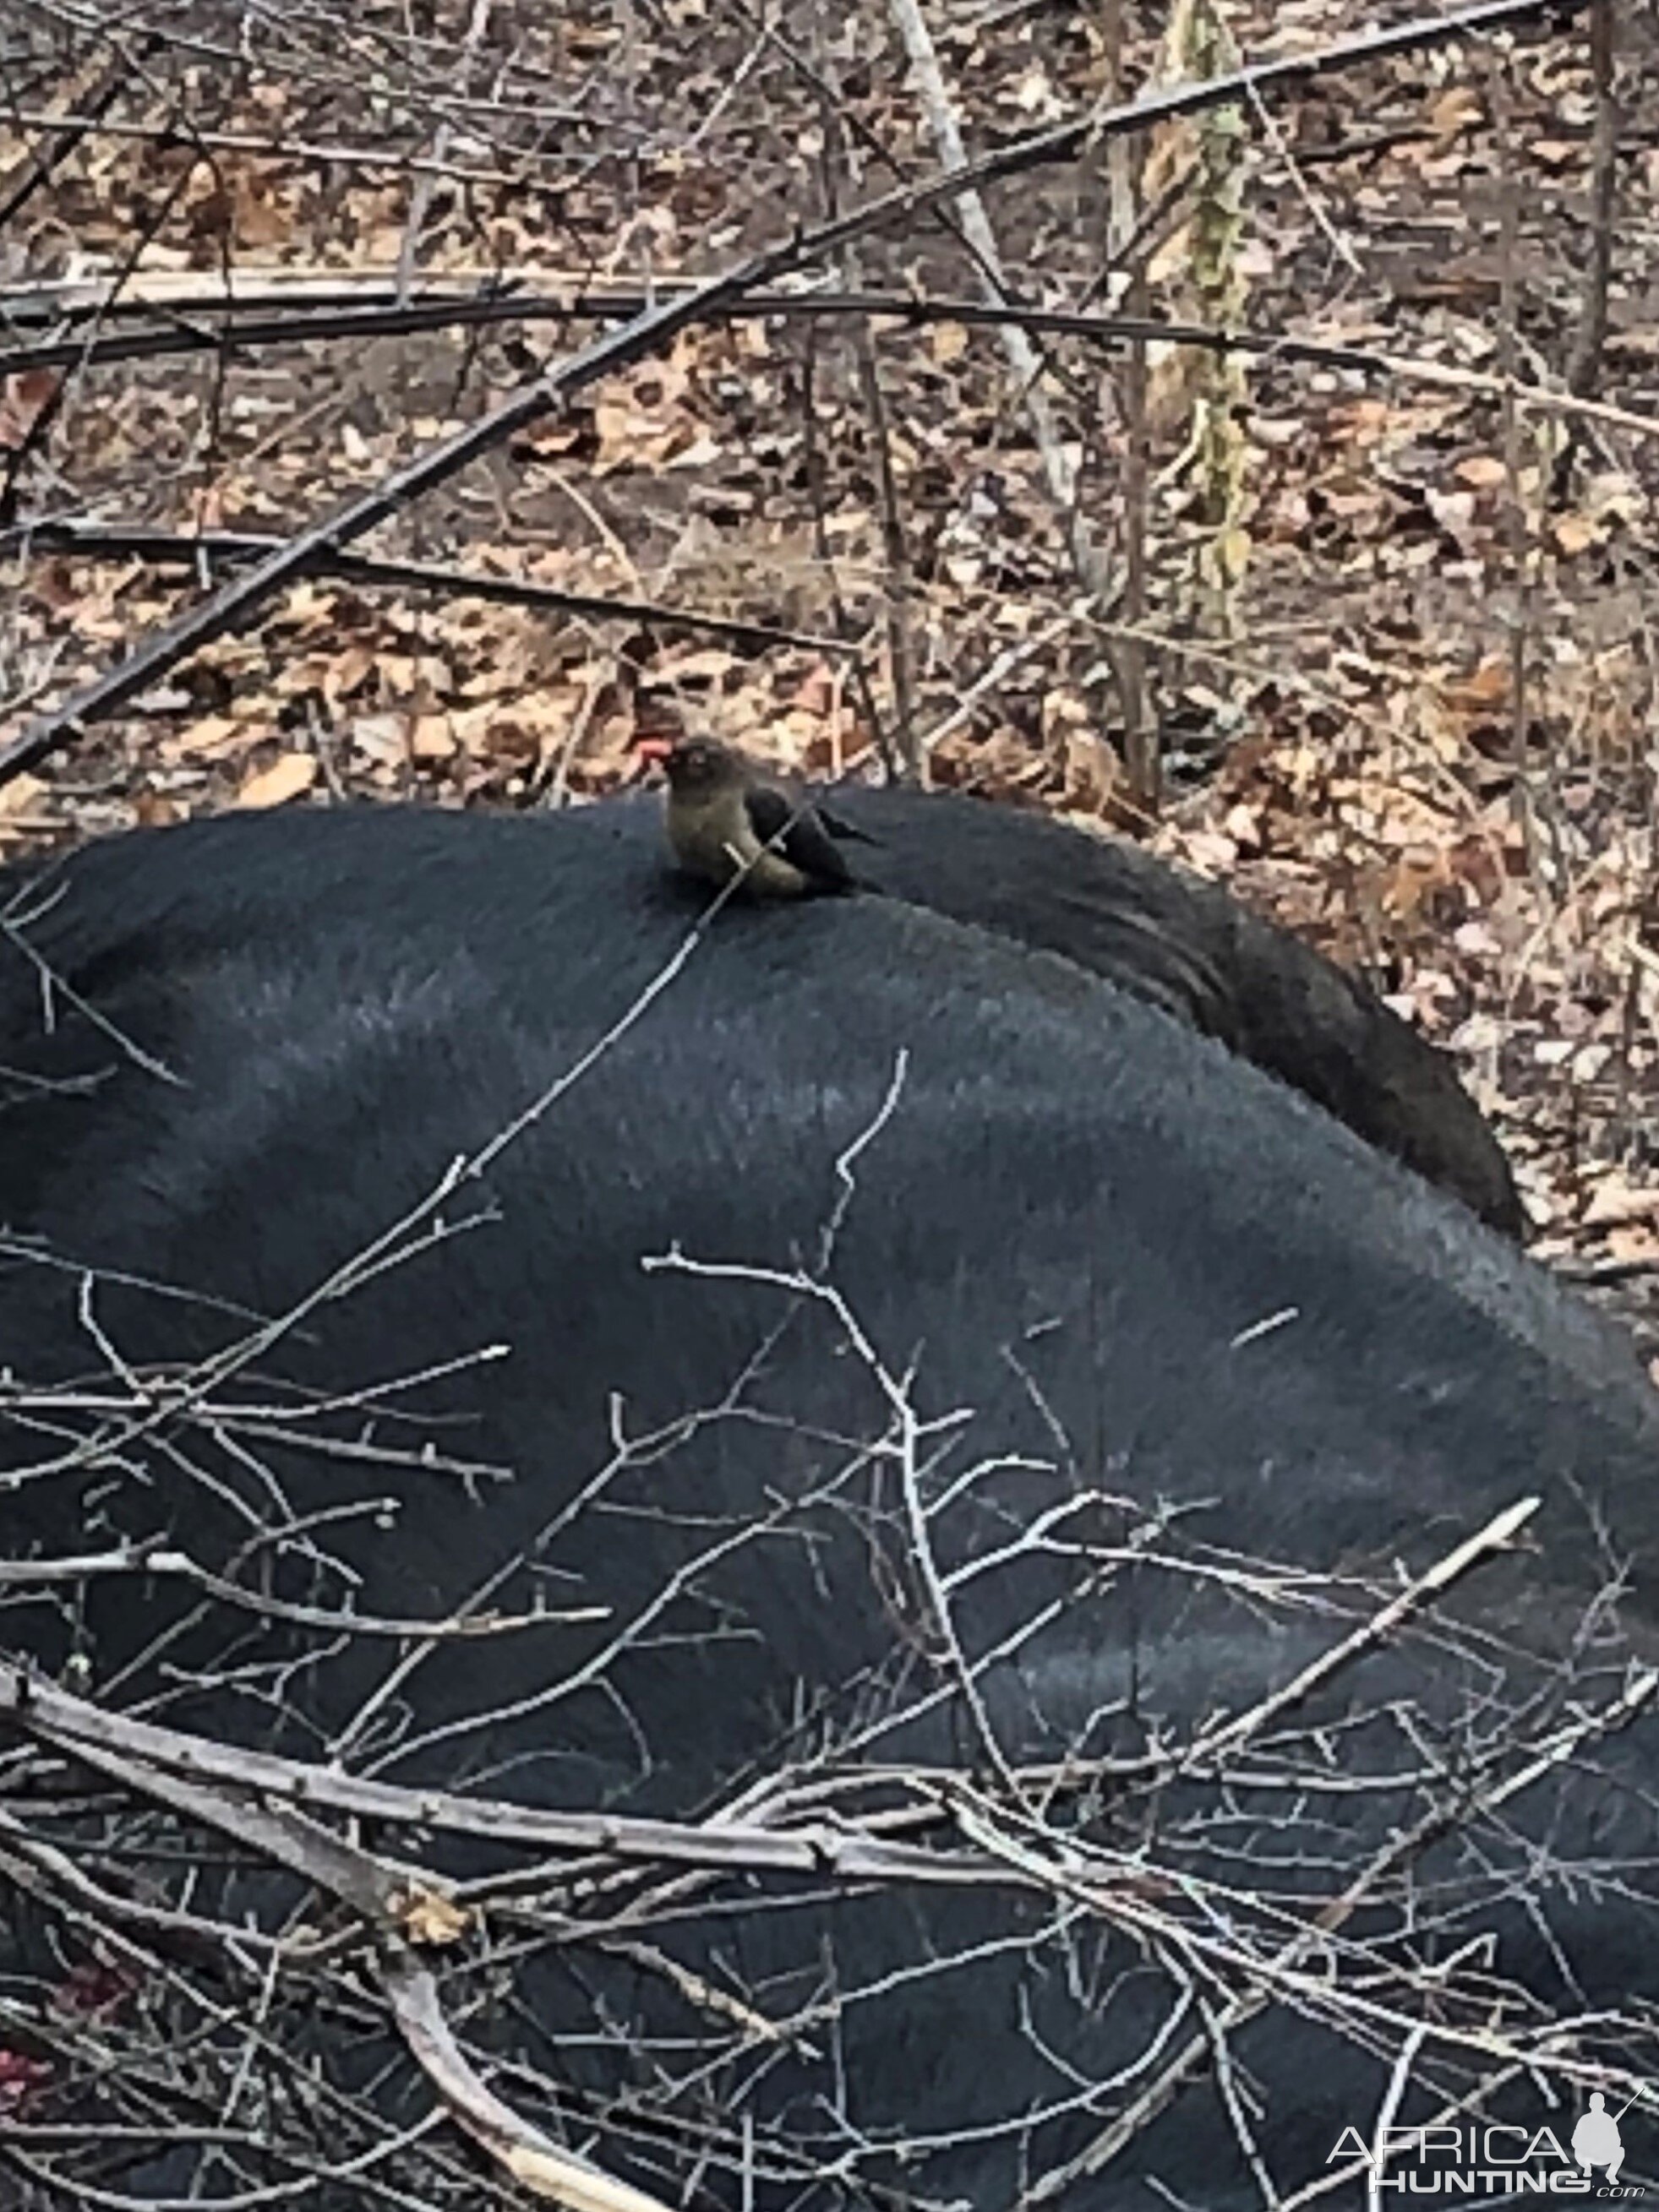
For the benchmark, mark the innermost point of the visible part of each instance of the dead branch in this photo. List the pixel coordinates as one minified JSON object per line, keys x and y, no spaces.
{"x":532,"y":2157}
{"x":1021,"y":353}
{"x":1498,"y":1535}
{"x":1584,"y":365}
{"x":214,"y":550}
{"x":70,"y":1725}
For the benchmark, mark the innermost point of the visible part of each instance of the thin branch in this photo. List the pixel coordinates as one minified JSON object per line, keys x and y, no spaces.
{"x":1498,"y":1535}
{"x":31,"y":175}
{"x":260,"y":144}
{"x":919,"y":310}
{"x":235,"y":602}
{"x":1584,"y":365}
{"x":154,"y":1557}
{"x":1399,"y":1849}
{"x":217,"y":549}
{"x":143,"y":1748}
{"x":1021,"y":353}
{"x":249,"y":321}
{"x":533,"y":2159}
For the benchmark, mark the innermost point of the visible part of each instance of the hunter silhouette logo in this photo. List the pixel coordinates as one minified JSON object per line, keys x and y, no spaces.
{"x":1595,"y":2139}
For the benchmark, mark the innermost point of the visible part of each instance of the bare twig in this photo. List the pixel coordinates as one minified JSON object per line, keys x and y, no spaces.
{"x":1399,"y":1850}
{"x":214,"y":551}
{"x":85,"y":1731}
{"x":1498,"y":1535}
{"x":1021,"y":353}
{"x":155,"y":1557}
{"x":533,"y":2159}
{"x":1584,"y":363}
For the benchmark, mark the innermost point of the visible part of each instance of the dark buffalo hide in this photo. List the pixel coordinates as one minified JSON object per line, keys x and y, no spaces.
{"x":963,"y":1387}
{"x":1189,"y":947}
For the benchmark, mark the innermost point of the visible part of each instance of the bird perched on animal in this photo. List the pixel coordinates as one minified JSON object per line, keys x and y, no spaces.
{"x":727,"y":818}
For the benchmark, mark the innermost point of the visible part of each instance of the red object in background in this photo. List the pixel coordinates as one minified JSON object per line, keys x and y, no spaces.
{"x":94,"y":1987}
{"x":20,"y":2076}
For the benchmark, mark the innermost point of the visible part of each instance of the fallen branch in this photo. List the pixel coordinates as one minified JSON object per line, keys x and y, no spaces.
{"x":1399,"y":1850}
{"x":1021,"y":353}
{"x":532,"y":2157}
{"x":81,"y":1730}
{"x":217,"y":549}
{"x":1498,"y":1533}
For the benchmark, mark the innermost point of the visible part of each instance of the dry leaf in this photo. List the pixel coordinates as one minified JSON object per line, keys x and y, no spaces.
{"x":1477,"y":697}
{"x":1091,"y":771}
{"x":700,"y":453}
{"x":816,"y":692}
{"x":432,"y":738}
{"x":1574,"y":533}
{"x":1452,"y":510}
{"x":23,"y":400}
{"x":283,"y":780}
{"x":380,"y":738}
{"x":429,"y":1917}
{"x":21,"y":794}
{"x":210,"y":736}
{"x":1616,"y":1199}
{"x":1210,"y":852}
{"x":347,"y":671}
{"x":1480,"y":471}
{"x":1459,"y":109}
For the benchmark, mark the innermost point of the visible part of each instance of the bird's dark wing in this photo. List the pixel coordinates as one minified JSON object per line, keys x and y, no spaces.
{"x":848,"y":832}
{"x":770,"y":811}
{"x":801,"y":837}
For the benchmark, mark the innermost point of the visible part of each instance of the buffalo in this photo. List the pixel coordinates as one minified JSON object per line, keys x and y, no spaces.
{"x":1135,"y":1610}
{"x":1186,"y":945}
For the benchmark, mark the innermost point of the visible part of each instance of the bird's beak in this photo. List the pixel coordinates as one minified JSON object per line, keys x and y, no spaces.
{"x":653,"y":751}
